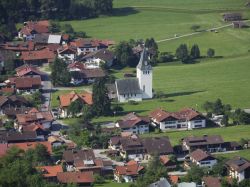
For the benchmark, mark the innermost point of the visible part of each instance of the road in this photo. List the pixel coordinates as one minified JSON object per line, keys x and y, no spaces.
{"x":98,"y":154}
{"x":196,"y":33}
{"x":46,"y":92}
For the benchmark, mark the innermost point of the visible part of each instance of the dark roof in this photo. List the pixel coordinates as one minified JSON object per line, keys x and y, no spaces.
{"x":75,"y":177}
{"x":128,"y":86}
{"x":211,"y":181}
{"x":203,"y":140}
{"x":88,"y":73}
{"x":238,"y":164}
{"x":102,"y":54}
{"x":3,"y":100}
{"x":72,"y":155}
{"x":159,"y":145}
{"x":131,"y":143}
{"x":41,"y":38}
{"x":17,"y":136}
{"x":144,"y":62}
{"x":200,"y":155}
{"x":132,"y":119}
{"x":12,"y":99}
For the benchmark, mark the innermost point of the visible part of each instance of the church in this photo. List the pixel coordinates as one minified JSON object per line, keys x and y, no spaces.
{"x":139,"y":88}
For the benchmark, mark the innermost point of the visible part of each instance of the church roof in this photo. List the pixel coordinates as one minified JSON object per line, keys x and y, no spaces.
{"x":128,"y":86}
{"x":143,"y":63}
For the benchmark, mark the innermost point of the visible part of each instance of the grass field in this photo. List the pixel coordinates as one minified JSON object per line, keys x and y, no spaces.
{"x":243,"y":153}
{"x":227,"y":133}
{"x":161,"y":19}
{"x":112,"y":184}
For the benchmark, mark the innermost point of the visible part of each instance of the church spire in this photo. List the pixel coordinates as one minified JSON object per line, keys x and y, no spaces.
{"x":143,"y":63}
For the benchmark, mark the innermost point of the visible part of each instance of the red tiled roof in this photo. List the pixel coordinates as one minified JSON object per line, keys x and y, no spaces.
{"x":75,"y":177}
{"x":131,"y":120}
{"x":164,"y":159}
{"x":76,"y":65}
{"x":184,"y":114}
{"x":200,"y":155}
{"x":24,"y":119}
{"x":212,"y":181}
{"x":19,"y":46}
{"x":33,"y":127}
{"x":27,"y":82}
{"x":31,"y":145}
{"x":25,"y":69}
{"x":132,"y":169}
{"x":38,"y":27}
{"x":43,"y":54}
{"x":67,"y":99}
{"x":7,"y":90}
{"x":67,"y":50}
{"x":50,"y":171}
{"x":174,"y":179}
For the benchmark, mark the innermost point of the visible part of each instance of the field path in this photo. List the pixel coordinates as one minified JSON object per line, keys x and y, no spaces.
{"x":195,"y":33}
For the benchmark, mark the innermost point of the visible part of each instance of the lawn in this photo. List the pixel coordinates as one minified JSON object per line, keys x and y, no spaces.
{"x":112,"y":184}
{"x":192,"y":85}
{"x":243,"y":153}
{"x":228,"y":133}
{"x":162,"y":19}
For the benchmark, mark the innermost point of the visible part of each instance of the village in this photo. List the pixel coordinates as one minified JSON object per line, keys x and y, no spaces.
{"x":86,"y":153}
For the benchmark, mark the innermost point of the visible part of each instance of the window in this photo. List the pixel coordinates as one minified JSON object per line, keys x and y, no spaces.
{"x":198,"y":121}
{"x":198,"y":126}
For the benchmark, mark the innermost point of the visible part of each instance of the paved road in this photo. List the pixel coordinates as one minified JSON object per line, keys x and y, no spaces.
{"x":46,"y":92}
{"x":98,"y":154}
{"x":196,"y":33}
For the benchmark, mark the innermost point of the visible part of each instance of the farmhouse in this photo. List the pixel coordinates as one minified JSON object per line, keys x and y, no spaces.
{"x":211,"y":143}
{"x":128,"y":173}
{"x":17,"y":137}
{"x":185,"y":119}
{"x":35,"y":127}
{"x":232,"y":16}
{"x":27,"y":70}
{"x":201,"y":159}
{"x":67,"y":99}
{"x":25,"y":146}
{"x":67,"y":53}
{"x":31,"y":28}
{"x":139,"y":88}
{"x":99,"y":57}
{"x":238,"y":168}
{"x":134,"y":124}
{"x":50,"y":172}
{"x":210,"y":181}
{"x":79,"y":178}
{"x":167,"y":162}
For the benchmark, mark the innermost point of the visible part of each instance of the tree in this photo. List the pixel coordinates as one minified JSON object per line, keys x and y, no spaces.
{"x":36,"y":99}
{"x":182,"y":53}
{"x":195,"y":27}
{"x":224,"y":120}
{"x":210,"y":53}
{"x":68,"y":29}
{"x":124,"y":54}
{"x":195,"y":52}
{"x":75,"y":107}
{"x":101,"y":102}
{"x":166,"y":57}
{"x":195,"y":174}
{"x":60,"y":75}
{"x":54,"y":27}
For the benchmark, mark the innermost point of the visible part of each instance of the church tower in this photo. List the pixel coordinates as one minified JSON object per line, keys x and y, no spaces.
{"x":145,"y":75}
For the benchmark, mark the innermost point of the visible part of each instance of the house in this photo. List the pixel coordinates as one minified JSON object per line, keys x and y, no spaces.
{"x":134,"y":123}
{"x":67,"y":53}
{"x":12,"y":102}
{"x":28,"y":70}
{"x":85,"y":160}
{"x":140,"y":87}
{"x":163,"y":182}
{"x":50,"y":172}
{"x":99,"y":57}
{"x":38,"y":57}
{"x":186,"y":118}
{"x":85,"y":46}
{"x":31,"y":145}
{"x":212,"y":143}
{"x":27,"y":84}
{"x":174,"y":179}
{"x":167,"y":162}
{"x":18,"y":46}
{"x":36,"y":127}
{"x":232,"y":16}
{"x":157,"y":145}
{"x":128,"y":173}
{"x":210,"y":181}
{"x":76,"y":66}
{"x":67,"y":99}
{"x":55,"y":141}
{"x":238,"y":168}
{"x":131,"y":148}
{"x":80,"y":178}
{"x":31,"y":28}
{"x":187,"y":184}
{"x":86,"y":76}
{"x":45,"y":118}
{"x":201,"y":159}
{"x":17,"y":137}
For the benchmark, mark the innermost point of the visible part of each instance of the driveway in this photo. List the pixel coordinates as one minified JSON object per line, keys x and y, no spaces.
{"x":46,"y":92}
{"x":98,"y":154}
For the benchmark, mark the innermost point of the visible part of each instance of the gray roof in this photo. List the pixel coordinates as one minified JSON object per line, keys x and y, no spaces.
{"x":161,"y":183}
{"x":143,"y":63}
{"x":41,"y":38}
{"x":102,"y":54}
{"x":128,"y":86}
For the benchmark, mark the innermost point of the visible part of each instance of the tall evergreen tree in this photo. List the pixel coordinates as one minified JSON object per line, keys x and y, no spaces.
{"x":182,"y":53}
{"x":60,"y":75}
{"x":195,"y":52}
{"x":101,"y":102}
